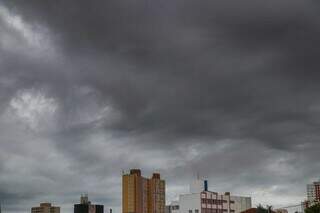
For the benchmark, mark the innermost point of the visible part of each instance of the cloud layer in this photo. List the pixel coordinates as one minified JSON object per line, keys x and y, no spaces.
{"x":227,"y":89}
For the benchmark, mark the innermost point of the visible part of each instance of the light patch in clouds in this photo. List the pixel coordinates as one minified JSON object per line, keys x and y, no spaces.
{"x":35,"y":38}
{"x":34,"y":109}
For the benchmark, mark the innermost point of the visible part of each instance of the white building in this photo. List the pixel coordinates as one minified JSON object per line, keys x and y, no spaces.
{"x":241,"y":203}
{"x":201,"y":200}
{"x":173,"y":207}
{"x":311,"y":192}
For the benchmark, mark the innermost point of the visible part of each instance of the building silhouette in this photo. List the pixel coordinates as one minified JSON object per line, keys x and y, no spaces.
{"x":85,"y":206}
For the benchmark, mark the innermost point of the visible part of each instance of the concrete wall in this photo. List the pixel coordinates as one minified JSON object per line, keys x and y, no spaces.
{"x":241,"y":203}
{"x":190,"y":202}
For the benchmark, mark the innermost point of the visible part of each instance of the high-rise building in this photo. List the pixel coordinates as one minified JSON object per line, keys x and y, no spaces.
{"x":85,"y":206}
{"x":313,"y":195}
{"x":45,"y":208}
{"x":142,"y":195}
{"x":313,"y":192}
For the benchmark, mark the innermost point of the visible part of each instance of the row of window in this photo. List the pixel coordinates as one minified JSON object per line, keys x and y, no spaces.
{"x":213,"y":201}
{"x":203,"y":210}
{"x":176,"y":207}
{"x":210,"y":211}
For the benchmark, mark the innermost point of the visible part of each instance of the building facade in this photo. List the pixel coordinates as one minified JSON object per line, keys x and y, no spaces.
{"x":206,"y":202}
{"x":142,"y":195}
{"x":313,"y":192}
{"x":201,"y":200}
{"x":85,"y":206}
{"x":173,"y":207}
{"x":45,"y":208}
{"x":313,"y":195}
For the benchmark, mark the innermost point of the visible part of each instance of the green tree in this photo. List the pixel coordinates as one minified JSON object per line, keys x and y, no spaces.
{"x":313,"y":209}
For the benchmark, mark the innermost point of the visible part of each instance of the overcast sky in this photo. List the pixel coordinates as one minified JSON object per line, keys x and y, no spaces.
{"x":229,"y":89}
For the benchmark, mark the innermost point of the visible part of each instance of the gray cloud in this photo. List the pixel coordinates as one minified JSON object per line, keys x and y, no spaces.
{"x":88,"y":89}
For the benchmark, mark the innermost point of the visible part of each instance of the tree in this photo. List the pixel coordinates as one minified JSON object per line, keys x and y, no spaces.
{"x":261,"y":209}
{"x":313,"y":209}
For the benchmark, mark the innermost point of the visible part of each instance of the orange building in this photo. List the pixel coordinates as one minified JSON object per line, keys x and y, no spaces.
{"x":142,"y":195}
{"x":45,"y":208}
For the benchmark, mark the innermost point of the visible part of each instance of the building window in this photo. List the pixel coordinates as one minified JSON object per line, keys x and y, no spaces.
{"x":196,"y":211}
{"x":190,"y":211}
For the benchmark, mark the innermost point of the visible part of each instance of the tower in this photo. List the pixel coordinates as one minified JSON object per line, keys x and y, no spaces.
{"x":142,"y":195}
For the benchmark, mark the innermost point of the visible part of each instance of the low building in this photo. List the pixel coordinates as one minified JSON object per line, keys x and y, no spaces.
{"x":45,"y":208}
{"x":281,"y":211}
{"x":251,"y":210}
{"x":313,"y":192}
{"x":173,"y":207}
{"x":201,"y":200}
{"x":85,"y":206}
{"x":254,"y":210}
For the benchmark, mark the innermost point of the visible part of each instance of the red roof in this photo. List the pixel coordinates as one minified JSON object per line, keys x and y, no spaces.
{"x":252,"y":210}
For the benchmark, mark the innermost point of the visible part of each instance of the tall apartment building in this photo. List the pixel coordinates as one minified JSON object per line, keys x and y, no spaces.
{"x":313,"y":192}
{"x":142,"y":195}
{"x":45,"y":208}
{"x":85,"y":206}
{"x":313,"y":195}
{"x":201,"y":200}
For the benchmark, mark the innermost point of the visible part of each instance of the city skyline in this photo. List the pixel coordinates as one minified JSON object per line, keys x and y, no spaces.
{"x":225,"y":89}
{"x":134,"y":181}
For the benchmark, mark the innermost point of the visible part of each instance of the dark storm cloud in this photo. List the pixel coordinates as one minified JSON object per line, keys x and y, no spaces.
{"x":186,"y":82}
{"x":141,"y":29}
